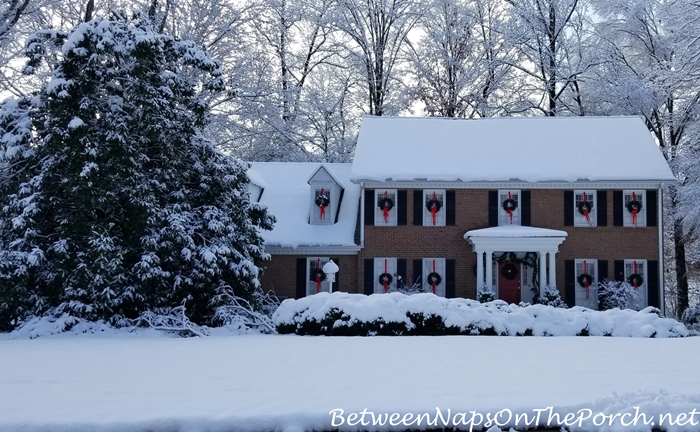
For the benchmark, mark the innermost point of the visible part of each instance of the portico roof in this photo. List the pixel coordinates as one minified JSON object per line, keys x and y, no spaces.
{"x":515,"y":238}
{"x":515,"y":231}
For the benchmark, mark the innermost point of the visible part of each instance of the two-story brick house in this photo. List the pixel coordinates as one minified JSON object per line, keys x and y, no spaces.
{"x":513,"y":204}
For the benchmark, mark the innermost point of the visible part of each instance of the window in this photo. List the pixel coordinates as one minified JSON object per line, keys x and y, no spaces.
{"x":586,"y":283}
{"x":636,"y":275}
{"x":384,"y":274}
{"x":508,"y":207}
{"x":634,"y":211}
{"x":585,"y":208}
{"x":316,"y":281}
{"x":434,"y":275}
{"x":321,"y":208}
{"x":385,"y":207}
{"x":434,"y":207}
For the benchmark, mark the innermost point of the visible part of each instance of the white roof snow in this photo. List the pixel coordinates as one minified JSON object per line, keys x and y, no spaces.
{"x":287,"y":196}
{"x":532,"y":149}
{"x":515,"y":231}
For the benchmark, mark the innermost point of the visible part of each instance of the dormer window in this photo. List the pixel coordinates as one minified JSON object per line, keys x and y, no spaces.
{"x":322,"y":201}
{"x":325,"y":196}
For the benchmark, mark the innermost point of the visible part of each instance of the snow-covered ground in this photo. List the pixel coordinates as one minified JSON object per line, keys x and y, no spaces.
{"x":292,"y":383}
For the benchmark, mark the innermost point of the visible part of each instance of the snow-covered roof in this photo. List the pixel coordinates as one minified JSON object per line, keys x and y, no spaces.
{"x":515,"y":231}
{"x":542,"y":149}
{"x":287,"y":196}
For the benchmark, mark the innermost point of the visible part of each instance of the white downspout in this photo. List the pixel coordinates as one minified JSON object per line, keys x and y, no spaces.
{"x":660,"y":217}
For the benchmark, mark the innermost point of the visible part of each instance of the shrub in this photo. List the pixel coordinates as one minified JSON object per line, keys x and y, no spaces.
{"x":617,"y":294}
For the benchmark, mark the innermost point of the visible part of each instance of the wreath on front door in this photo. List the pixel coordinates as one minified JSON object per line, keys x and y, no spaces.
{"x":509,"y":271}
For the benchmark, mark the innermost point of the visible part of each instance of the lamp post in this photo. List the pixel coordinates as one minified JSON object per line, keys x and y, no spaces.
{"x":330,"y":269}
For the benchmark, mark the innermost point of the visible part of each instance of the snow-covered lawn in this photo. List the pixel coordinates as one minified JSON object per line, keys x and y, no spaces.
{"x":292,"y":383}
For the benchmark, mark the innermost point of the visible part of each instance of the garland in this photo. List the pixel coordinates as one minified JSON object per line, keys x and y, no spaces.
{"x":584,"y":207}
{"x":509,"y":271}
{"x":635,"y":279}
{"x":318,"y":276}
{"x":322,"y":202}
{"x":585,"y":280}
{"x":434,"y":206}
{"x":510,"y":205}
{"x":386,"y":204}
{"x":634,"y":207}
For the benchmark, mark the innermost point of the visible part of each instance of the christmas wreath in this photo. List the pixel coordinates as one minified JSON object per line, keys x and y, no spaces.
{"x":386,"y":203}
{"x":434,"y":203}
{"x":634,"y":206}
{"x":584,"y":207}
{"x":635,"y":280}
{"x":585,"y":280}
{"x":510,"y":205}
{"x":434,"y":279}
{"x":509,"y":271}
{"x":385,"y":279}
{"x":322,"y":201}
{"x":317,"y":276}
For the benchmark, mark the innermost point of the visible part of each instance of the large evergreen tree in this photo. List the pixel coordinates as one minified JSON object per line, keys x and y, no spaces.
{"x":115,"y":202}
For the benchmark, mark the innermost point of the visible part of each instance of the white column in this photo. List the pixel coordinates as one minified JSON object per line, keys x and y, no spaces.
{"x":489,"y":270}
{"x":552,"y":272}
{"x":543,"y":272}
{"x":479,"y":270}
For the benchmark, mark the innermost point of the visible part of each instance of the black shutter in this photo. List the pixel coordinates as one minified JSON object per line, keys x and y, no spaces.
{"x":619,"y":271}
{"x":336,"y":284}
{"x":401,"y":216}
{"x":568,"y":208}
{"x":369,"y":207}
{"x":602,"y":211}
{"x":417,"y":271}
{"x":617,"y":209}
{"x":418,"y":207}
{"x":401,"y":270}
{"x":369,"y":276}
{"x":450,"y":278}
{"x":569,"y":282}
{"x":525,"y":213}
{"x":493,"y":208}
{"x":653,"y":282}
{"x":652,"y":209}
{"x":301,"y":278}
{"x":602,"y":270}
{"x":450,"y":211}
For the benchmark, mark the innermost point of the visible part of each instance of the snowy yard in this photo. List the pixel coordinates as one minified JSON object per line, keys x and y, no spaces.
{"x":292,"y":383}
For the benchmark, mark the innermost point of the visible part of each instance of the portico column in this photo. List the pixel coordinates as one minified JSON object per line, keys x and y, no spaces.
{"x":489,"y":269}
{"x":479,"y":271}
{"x":543,"y":272}
{"x":552,"y":272}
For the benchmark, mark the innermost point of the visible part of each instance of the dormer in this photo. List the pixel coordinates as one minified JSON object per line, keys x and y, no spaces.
{"x":325,"y":196}
{"x":255,"y":186}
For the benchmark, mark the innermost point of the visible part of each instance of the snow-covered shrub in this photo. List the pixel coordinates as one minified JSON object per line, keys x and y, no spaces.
{"x":617,"y":294}
{"x":551,"y":298}
{"x":485,"y":294}
{"x":396,"y":314}
{"x":691,"y":317}
{"x":239,"y":314}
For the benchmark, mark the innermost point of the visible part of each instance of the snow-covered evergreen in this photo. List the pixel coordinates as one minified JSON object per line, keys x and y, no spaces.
{"x":116,"y":203}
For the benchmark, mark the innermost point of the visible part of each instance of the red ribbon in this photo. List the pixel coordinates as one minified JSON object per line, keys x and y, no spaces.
{"x":635,"y":263}
{"x":433,"y":209}
{"x":386,"y":288}
{"x":322,"y":207}
{"x":433,"y":284}
{"x":585,"y":281}
{"x":318,"y":277}
{"x":588,"y":218}
{"x":509,"y":211}
{"x":634,"y":218}
{"x":386,"y":208}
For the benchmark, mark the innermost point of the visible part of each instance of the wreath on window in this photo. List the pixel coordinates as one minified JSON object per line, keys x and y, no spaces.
{"x":509,"y":271}
{"x":434,"y":279}
{"x":634,"y":206}
{"x":385,"y":279}
{"x":509,"y":205}
{"x":635,"y":280}
{"x":322,"y":200}
{"x":386,"y":203}
{"x":584,"y":207}
{"x":434,"y":202}
{"x":317,"y":276}
{"x":585,"y":280}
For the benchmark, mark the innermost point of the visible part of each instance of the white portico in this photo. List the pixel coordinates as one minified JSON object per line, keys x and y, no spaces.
{"x":516,"y":239}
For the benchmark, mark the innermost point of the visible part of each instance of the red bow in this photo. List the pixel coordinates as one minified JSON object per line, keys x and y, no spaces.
{"x":384,"y":283}
{"x":433,"y":209}
{"x":634,"y":217}
{"x":634,"y":282}
{"x":509,"y":211}
{"x":386,"y":208}
{"x":322,"y":207}
{"x":318,"y":276}
{"x":433,"y":283}
{"x":588,"y":219}
{"x":585,"y":280}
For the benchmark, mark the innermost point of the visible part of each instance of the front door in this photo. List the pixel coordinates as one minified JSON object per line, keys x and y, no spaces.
{"x":509,"y":281}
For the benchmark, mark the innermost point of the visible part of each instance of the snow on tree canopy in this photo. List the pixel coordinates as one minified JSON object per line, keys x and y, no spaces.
{"x":567,"y":149}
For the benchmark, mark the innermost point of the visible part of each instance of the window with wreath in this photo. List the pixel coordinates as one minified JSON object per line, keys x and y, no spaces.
{"x":321,"y":208}
{"x":586,"y":283}
{"x":385,"y":207}
{"x":585,"y":208}
{"x":434,"y":207}
{"x":315,"y":276}
{"x":385,"y":270}
{"x":434,"y":276}
{"x":509,"y":207}
{"x":636,"y":275}
{"x":634,"y":208}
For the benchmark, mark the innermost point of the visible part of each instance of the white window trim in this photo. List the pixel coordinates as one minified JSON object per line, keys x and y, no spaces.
{"x":579,"y":219}
{"x":391,"y":268}
{"x":503,"y":217}
{"x":641,"y":215}
{"x":440,"y":219}
{"x":311,"y":286}
{"x":441,"y":269}
{"x":643,"y":288}
{"x":379,"y":213}
{"x":329,"y":210}
{"x":592,"y":289}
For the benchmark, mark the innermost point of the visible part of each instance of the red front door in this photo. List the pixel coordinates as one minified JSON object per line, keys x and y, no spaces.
{"x":509,"y":281}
